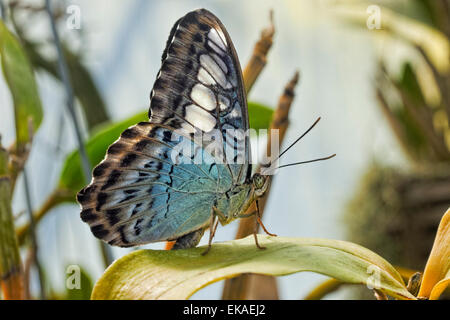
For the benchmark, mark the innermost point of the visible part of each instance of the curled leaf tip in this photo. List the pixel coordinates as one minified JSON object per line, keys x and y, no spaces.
{"x":436,"y":276}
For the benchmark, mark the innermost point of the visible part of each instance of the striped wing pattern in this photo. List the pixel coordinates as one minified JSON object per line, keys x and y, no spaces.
{"x":200,"y":86}
{"x":148,"y":189}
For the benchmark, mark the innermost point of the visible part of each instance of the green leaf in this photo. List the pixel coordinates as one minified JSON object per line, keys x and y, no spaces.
{"x":410,"y":85}
{"x":20,"y":78}
{"x":83,"y":84}
{"x":177,"y":274}
{"x":72,"y":177}
{"x":260,"y":116}
{"x":399,"y":26}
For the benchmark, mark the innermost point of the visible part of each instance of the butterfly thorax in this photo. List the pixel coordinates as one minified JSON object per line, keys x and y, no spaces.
{"x":234,"y":202}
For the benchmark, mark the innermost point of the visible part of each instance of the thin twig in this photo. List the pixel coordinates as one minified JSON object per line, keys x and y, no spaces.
{"x":64,"y":73}
{"x":442,"y":81}
{"x":2,"y":10}
{"x":280,"y":122}
{"x":17,"y":158}
{"x":34,"y":245}
{"x":323,"y":289}
{"x":63,"y":70}
{"x":396,"y":126}
{"x":239,"y":287}
{"x":11,"y":270}
{"x":423,"y":117}
{"x":380,"y":295}
{"x":258,"y":59}
{"x":57,"y":197}
{"x":83,"y":84}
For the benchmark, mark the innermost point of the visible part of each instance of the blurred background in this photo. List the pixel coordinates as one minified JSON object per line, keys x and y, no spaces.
{"x":377,"y":72}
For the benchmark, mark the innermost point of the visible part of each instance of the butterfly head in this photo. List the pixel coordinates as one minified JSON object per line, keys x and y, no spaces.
{"x":260,"y":183}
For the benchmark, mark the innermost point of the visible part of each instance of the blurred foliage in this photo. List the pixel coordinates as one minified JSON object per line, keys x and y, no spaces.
{"x":20,"y":79}
{"x":260,"y":115}
{"x":19,"y":76}
{"x":84,"y":87}
{"x":20,"y":57}
{"x":412,"y":120}
{"x":396,"y":212}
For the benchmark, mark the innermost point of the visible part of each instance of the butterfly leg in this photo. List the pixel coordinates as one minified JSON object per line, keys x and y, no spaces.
{"x":246,"y":215}
{"x":258,"y":219}
{"x":255,"y":235}
{"x":255,"y":232}
{"x":212,"y":231}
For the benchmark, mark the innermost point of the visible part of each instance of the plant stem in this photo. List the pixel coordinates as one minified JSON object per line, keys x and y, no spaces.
{"x":2,"y":10}
{"x":11,"y":271}
{"x":258,"y":59}
{"x":55,"y":198}
{"x":323,"y":289}
{"x":64,"y":73}
{"x":34,"y":245}
{"x":239,"y":287}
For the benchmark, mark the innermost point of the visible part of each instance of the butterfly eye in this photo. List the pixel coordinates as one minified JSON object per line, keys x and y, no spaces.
{"x":258,"y":181}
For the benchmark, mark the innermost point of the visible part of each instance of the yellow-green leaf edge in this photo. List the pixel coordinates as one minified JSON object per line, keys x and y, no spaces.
{"x":178,"y":274}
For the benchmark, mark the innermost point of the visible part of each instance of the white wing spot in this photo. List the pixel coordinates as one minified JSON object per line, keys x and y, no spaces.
{"x":200,"y":118}
{"x":212,"y":67}
{"x":216,"y":48}
{"x":187,"y":127}
{"x":220,"y":62}
{"x":205,"y":77}
{"x":236,"y":112}
{"x":203,"y":96}
{"x":216,"y":38}
{"x":222,"y":36}
{"x":224,"y":102}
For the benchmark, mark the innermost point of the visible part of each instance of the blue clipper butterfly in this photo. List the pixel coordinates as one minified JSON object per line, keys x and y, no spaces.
{"x":139,"y":194}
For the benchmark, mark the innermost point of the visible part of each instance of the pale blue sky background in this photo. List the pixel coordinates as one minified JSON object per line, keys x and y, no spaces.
{"x":123,"y":42}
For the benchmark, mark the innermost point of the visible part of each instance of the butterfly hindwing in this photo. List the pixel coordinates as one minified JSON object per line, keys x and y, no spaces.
{"x":138,"y":195}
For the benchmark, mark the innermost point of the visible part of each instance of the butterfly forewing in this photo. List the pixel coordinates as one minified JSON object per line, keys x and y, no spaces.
{"x":199,"y":88}
{"x":158,"y":181}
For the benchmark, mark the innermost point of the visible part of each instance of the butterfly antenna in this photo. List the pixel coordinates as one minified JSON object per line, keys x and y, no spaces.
{"x":302,"y":162}
{"x":298,"y":139}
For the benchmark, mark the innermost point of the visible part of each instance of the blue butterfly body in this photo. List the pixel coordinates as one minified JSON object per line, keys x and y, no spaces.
{"x":157,"y":181}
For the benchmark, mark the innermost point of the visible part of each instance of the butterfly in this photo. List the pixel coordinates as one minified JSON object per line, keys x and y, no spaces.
{"x":149,"y":188}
